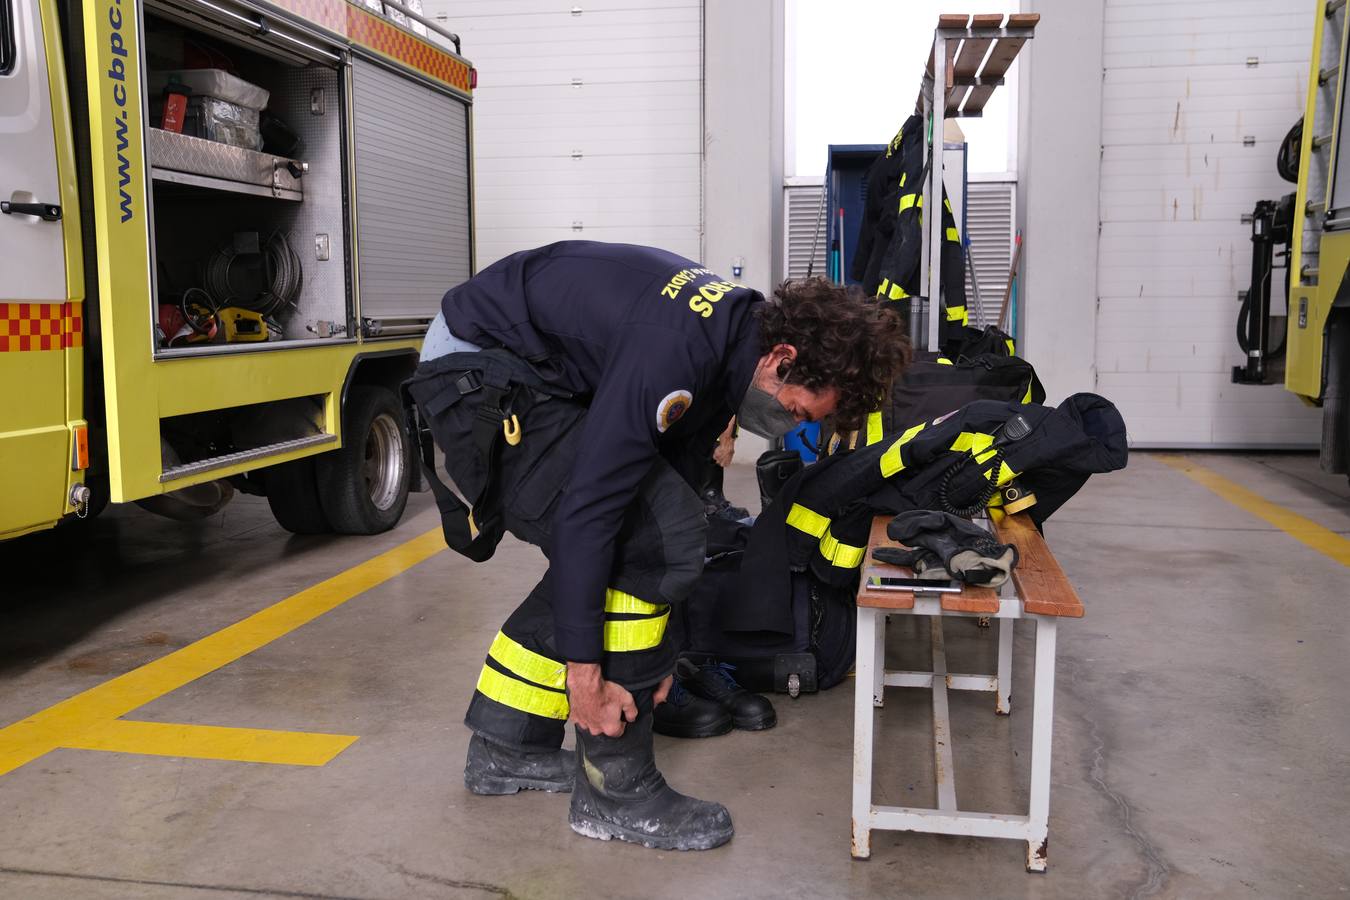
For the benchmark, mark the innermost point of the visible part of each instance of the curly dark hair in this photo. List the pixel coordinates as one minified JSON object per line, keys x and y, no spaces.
{"x":844,"y":340}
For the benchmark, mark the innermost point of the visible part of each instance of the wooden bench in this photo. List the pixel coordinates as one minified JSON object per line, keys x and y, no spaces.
{"x":1039,"y":591}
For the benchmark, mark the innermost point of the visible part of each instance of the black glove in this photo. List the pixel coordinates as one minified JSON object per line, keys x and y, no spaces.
{"x":924,"y":563}
{"x":968,"y":552}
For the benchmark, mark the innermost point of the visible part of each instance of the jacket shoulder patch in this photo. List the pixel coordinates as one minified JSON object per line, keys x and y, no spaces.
{"x":671,"y":408}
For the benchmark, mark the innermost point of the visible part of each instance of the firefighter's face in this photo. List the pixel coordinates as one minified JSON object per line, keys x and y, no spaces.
{"x":803,"y":403}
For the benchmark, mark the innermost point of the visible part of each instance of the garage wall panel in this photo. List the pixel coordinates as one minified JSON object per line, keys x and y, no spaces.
{"x":1196,"y":95}
{"x":586,"y":125}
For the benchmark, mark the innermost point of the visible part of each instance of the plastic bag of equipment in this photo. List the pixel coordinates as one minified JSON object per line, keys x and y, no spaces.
{"x":223,"y":122}
{"x":212,"y":83}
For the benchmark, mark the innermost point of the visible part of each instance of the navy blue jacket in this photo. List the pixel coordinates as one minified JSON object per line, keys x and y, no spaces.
{"x":660,"y":348}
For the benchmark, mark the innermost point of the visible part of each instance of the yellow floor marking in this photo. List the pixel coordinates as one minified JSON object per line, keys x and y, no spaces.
{"x":68,"y":722}
{"x":291,"y":748}
{"x":1304,"y":530}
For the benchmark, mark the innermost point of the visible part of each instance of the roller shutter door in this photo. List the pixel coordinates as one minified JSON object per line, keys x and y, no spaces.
{"x":587,"y":121}
{"x":412,"y":193}
{"x":1195,"y":98}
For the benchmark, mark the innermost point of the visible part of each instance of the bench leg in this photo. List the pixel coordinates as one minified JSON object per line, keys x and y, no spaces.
{"x":879,"y":656}
{"x":1042,"y":723}
{"x":1003,"y":697}
{"x":865,"y":669}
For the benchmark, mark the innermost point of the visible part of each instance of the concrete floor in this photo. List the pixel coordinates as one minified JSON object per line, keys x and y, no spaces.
{"x":1201,"y":747}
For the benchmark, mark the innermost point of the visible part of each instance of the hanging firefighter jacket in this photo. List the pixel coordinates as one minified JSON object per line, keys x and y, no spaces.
{"x":959,"y":463}
{"x":890,"y":239}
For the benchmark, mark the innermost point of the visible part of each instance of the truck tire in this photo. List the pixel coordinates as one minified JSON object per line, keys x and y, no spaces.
{"x":293,"y":495}
{"x":364,"y":486}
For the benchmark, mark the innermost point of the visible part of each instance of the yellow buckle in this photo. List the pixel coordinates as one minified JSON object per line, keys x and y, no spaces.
{"x":511,"y":428}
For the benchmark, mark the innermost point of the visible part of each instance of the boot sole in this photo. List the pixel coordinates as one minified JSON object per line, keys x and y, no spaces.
{"x":764,"y":723}
{"x":720,"y":728}
{"x":587,"y":826}
{"x":499,"y":786}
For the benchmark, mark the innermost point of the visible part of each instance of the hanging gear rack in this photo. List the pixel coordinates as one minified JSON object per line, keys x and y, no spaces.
{"x":970,"y":56}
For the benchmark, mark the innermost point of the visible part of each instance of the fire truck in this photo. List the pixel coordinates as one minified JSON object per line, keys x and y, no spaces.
{"x":224,"y":228}
{"x":1308,"y":343}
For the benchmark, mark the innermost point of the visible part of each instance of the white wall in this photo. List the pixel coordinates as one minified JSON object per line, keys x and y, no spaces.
{"x":1059,"y":156}
{"x":743,"y":148}
{"x":743,"y":139}
{"x":1145,"y":135}
{"x":1194,"y":105}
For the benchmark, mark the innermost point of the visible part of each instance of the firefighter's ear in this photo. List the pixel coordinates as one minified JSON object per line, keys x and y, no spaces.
{"x":782,"y":356}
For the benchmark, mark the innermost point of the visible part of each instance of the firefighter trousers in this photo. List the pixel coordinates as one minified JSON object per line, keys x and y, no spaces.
{"x":520,"y":698}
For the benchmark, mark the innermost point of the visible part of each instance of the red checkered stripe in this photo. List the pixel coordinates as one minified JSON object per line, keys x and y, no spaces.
{"x":40,"y":326}
{"x":379,"y":34}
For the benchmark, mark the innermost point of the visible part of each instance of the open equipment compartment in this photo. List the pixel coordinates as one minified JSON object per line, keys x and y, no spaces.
{"x":250,"y":236}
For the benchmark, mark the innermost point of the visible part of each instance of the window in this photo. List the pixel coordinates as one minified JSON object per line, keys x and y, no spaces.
{"x":6,"y":37}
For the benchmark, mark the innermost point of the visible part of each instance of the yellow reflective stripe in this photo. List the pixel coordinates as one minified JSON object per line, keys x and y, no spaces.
{"x":909,"y":200}
{"x":978,"y":445}
{"x":974,"y":442}
{"x":874,"y":428}
{"x":619,"y":602}
{"x":947,"y":203}
{"x":1027,"y":398}
{"x":956,"y":314}
{"x":808,"y":520}
{"x":1012,"y":347}
{"x":626,"y":635}
{"x":953,"y":235}
{"x":891,"y":461}
{"x":897,"y":292}
{"x":903,"y":176}
{"x":881,"y":288}
{"x":528,"y":664}
{"x":845,"y":556}
{"x":944,"y":361}
{"x":527,"y":698}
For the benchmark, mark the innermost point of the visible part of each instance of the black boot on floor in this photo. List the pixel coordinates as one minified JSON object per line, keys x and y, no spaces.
{"x":715,"y":682}
{"x":620,"y":794}
{"x":716,"y":504}
{"x":495,"y":769}
{"x":684,"y":715}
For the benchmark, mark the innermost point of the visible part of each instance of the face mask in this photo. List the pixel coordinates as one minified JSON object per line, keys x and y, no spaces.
{"x":761,"y":413}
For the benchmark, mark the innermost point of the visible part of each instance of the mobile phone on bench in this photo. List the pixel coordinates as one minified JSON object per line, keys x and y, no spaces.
{"x":881,"y":582}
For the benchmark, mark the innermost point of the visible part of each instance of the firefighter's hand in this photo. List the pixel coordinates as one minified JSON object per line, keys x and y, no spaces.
{"x":662,"y":690}
{"x":598,"y":706}
{"x":726,"y":446}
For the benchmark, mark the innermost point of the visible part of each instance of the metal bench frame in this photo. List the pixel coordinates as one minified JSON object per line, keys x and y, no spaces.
{"x":872,"y":677}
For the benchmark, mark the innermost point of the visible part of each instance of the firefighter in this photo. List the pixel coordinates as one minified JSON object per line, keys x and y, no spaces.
{"x":565,"y":385}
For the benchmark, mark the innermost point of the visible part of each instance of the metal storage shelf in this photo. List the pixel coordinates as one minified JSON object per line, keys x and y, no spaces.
{"x":183,"y":159}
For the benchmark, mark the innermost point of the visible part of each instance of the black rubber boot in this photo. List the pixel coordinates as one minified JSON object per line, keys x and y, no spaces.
{"x":620,"y":794}
{"x":714,"y":682}
{"x":495,"y":769}
{"x":684,"y":715}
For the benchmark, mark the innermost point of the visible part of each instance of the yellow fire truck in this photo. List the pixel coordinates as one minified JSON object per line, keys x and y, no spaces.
{"x":224,"y":227}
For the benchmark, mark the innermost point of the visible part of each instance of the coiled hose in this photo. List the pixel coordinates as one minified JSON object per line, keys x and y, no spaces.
{"x":283,"y":277}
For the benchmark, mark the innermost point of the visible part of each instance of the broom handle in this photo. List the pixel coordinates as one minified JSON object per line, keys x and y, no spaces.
{"x":1012,"y":274}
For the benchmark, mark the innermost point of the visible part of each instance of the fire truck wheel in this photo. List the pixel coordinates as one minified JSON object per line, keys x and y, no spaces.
{"x":293,"y":494}
{"x":364,"y":486}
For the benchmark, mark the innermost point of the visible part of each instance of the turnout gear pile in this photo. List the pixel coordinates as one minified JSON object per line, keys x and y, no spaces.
{"x":890,"y":238}
{"x":945,"y":546}
{"x":821,"y":519}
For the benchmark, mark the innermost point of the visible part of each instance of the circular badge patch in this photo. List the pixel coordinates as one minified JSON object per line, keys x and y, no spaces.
{"x":669,"y":410}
